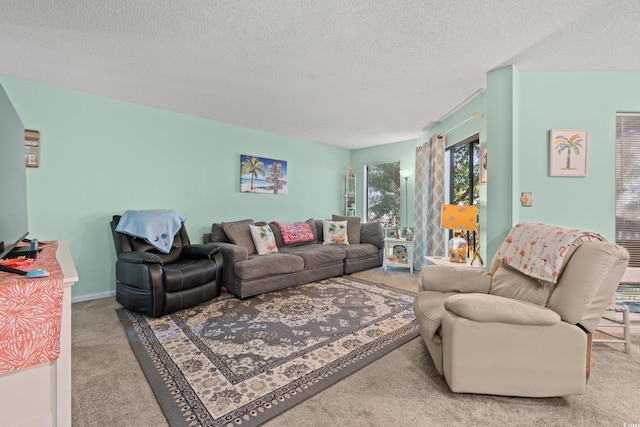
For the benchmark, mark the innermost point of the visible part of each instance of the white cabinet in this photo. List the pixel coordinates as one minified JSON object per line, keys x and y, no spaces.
{"x":40,"y":395}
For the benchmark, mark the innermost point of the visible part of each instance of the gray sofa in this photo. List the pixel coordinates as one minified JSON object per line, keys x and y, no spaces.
{"x":245,"y":273}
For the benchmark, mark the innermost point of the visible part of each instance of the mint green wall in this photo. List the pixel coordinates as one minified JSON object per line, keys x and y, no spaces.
{"x":520,"y":108}
{"x":403,"y":152}
{"x":100,"y":157}
{"x":461,"y":124}
{"x":502,"y":154}
{"x":586,"y":100}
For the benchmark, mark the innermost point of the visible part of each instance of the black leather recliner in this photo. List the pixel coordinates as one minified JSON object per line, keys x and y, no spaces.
{"x":153,"y":283}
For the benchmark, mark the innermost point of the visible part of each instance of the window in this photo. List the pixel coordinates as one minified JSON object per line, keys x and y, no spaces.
{"x":463,"y":179}
{"x":383,"y":193}
{"x":464,"y":169}
{"x":628,"y":184}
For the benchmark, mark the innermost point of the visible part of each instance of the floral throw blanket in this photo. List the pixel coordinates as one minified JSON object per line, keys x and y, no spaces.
{"x":539,"y":250}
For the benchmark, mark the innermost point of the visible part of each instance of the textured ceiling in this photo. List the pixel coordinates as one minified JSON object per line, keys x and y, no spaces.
{"x":349,"y":73}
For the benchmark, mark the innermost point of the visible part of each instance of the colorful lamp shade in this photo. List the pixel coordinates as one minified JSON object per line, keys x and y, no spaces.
{"x":459,"y":217}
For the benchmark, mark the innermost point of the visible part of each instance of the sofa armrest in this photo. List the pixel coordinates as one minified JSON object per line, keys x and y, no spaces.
{"x":232,"y":253}
{"x":493,"y":308}
{"x":136,"y":257}
{"x":449,"y":278}
{"x":372,"y":232}
{"x":200,"y":251}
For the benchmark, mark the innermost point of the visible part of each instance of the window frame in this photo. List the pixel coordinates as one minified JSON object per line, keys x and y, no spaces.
{"x":366,"y":192}
{"x":473,"y":177}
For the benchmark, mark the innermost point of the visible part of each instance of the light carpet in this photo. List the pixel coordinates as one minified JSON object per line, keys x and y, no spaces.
{"x":242,"y":362}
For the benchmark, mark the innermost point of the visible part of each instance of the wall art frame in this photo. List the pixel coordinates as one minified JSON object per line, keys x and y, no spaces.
{"x":483,"y":165}
{"x":568,"y":152}
{"x":263,"y":175}
{"x":391,"y":232}
{"x":31,"y":148}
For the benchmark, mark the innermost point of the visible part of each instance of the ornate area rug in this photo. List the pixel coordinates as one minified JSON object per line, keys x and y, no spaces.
{"x":230,"y":362}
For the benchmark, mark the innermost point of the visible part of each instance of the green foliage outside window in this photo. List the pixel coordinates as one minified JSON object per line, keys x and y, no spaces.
{"x":465,"y":182}
{"x":383,"y":193}
{"x":466,"y":187}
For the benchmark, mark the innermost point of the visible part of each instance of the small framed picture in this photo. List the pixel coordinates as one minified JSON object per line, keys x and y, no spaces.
{"x":526,"y":199}
{"x":483,"y":165}
{"x":32,"y":148}
{"x":391,"y":232}
{"x":568,"y":152}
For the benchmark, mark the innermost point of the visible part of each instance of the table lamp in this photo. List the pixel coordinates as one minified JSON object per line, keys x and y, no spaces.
{"x":459,"y":218}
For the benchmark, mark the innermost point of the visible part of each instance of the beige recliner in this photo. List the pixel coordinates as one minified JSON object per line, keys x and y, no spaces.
{"x":505,"y":332}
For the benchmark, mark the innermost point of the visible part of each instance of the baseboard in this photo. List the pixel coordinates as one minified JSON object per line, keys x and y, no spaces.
{"x":93,"y":296}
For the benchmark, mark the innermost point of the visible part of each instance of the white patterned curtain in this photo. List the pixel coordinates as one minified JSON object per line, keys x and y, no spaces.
{"x":429,"y":234}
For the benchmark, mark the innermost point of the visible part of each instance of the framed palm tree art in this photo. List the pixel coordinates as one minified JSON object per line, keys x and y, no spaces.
{"x":568,"y":152}
{"x":263,"y":175}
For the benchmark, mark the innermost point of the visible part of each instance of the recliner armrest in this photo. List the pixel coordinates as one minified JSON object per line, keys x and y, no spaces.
{"x":200,"y":250}
{"x":136,"y":257}
{"x":449,"y":278}
{"x":493,"y":308}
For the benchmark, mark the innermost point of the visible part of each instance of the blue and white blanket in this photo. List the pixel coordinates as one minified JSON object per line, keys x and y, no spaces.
{"x":157,"y":227}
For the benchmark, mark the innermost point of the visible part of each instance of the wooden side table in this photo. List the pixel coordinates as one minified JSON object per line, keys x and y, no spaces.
{"x":389,"y":243}
{"x":610,"y":320}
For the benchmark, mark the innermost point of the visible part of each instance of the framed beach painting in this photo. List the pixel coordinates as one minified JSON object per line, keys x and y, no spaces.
{"x":568,"y":152}
{"x":262,"y":175}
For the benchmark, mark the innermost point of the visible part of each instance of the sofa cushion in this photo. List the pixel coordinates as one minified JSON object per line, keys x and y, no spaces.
{"x":295,"y":232}
{"x":577,"y":290}
{"x":353,"y":227}
{"x":510,"y":283}
{"x":316,"y":255}
{"x":263,"y":239}
{"x":239,"y":234}
{"x":493,"y":308}
{"x":278,"y":234}
{"x":334,"y":232}
{"x":266,"y":265}
{"x":319,"y":234}
{"x":372,"y":232}
{"x":362,"y":250}
{"x":218,"y":234}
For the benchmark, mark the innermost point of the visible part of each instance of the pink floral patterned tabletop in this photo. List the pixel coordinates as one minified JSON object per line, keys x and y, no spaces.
{"x":31,"y":313}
